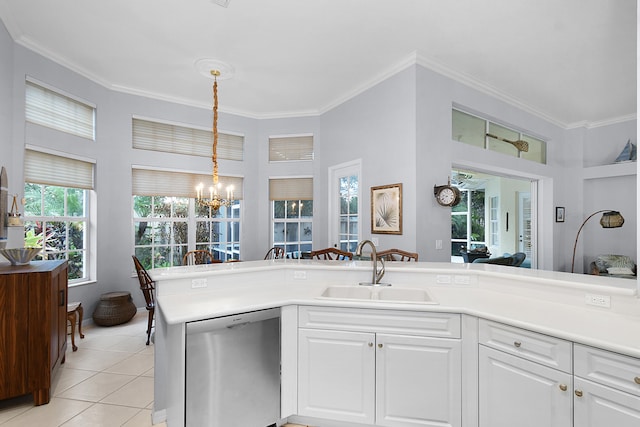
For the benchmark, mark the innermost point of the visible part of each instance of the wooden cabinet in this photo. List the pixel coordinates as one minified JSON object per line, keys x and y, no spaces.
{"x":33,"y":328}
{"x":366,"y":370}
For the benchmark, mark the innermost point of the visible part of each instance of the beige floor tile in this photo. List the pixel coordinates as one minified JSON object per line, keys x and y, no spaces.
{"x":55,"y":413}
{"x":137,"y":393}
{"x":101,"y":415}
{"x":100,"y":342}
{"x":97,"y":387}
{"x":68,"y":377}
{"x":94,"y":360}
{"x":13,"y":407}
{"x":149,"y":373}
{"x":136,"y":364}
{"x":142,"y":419}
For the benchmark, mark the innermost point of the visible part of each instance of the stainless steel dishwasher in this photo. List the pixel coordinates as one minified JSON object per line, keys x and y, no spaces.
{"x":233,"y":370}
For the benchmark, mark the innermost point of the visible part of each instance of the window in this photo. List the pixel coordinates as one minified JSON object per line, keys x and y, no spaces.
{"x":56,"y":211}
{"x":290,"y":148}
{"x":168,"y":222}
{"x":49,"y":108}
{"x":482,"y":133}
{"x":349,"y":216}
{"x":494,"y":214}
{"x":292,"y":214}
{"x":467,"y":222}
{"x":170,"y":138}
{"x":55,"y":218}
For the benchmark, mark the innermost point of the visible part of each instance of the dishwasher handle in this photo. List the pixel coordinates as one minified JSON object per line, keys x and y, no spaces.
{"x":232,"y":321}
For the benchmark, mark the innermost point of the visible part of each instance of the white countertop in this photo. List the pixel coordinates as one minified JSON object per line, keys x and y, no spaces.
{"x":548,"y":302}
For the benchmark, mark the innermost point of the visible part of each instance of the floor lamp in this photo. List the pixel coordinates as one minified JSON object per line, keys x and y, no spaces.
{"x":610,"y":219}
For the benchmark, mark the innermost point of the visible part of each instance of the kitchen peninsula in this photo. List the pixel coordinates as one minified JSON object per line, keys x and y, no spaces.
{"x":471,"y":343}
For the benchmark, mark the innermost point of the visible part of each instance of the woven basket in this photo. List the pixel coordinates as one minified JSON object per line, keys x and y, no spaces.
{"x":114,"y":308}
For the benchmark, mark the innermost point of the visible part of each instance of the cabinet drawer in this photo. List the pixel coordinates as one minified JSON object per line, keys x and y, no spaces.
{"x":607,"y":368}
{"x":442,"y":325}
{"x":540,"y":348}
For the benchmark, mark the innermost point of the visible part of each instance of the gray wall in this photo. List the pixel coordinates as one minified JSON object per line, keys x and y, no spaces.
{"x":400,"y":129}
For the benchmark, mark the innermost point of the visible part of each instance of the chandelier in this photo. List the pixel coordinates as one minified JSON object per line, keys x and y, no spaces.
{"x":215,"y":200}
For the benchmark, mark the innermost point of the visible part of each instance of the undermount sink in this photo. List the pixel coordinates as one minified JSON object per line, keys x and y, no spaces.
{"x":372,"y":293}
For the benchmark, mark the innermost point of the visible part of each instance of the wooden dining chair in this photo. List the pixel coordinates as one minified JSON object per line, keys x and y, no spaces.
{"x":397,"y":255}
{"x":331,"y":254}
{"x":198,"y":256}
{"x":147,"y":287}
{"x":275,"y":252}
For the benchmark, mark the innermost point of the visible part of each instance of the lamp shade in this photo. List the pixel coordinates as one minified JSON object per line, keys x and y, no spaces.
{"x":611,"y":219}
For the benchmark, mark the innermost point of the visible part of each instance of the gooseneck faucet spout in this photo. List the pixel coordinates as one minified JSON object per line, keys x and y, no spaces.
{"x":377,"y":276}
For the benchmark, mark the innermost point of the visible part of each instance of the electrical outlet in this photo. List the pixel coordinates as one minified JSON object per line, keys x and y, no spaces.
{"x":438,"y":244}
{"x":443,"y":279}
{"x":461,"y":280}
{"x":198,"y":283}
{"x":598,"y":300}
{"x":299,"y":275}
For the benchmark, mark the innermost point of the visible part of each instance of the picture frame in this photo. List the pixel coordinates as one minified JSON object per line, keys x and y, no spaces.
{"x":386,"y":209}
{"x":559,"y":214}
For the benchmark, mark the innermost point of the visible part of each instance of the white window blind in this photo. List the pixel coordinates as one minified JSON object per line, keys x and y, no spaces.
{"x":49,"y":169}
{"x":291,"y":189}
{"x":287,"y":148}
{"x":48,"y":108}
{"x":168,"y":138}
{"x":148,"y":182}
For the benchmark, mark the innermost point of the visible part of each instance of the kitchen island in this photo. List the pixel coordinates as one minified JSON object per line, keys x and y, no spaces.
{"x":478,"y":316}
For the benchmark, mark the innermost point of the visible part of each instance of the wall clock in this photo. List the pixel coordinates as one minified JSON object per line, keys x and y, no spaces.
{"x":447,"y":195}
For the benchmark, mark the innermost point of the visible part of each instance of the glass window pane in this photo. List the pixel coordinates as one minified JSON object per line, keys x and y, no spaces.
{"x":33,"y":199}
{"x":293,"y":209}
{"x":161,"y":256}
{"x":180,"y":207}
{"x":462,"y":206}
{"x":75,"y":202}
{"x":459,"y":226}
{"x":56,"y":236}
{"x":180,"y":233}
{"x":160,"y":208}
{"x":344,"y":224}
{"x":76,"y":235}
{"x":278,"y":232}
{"x":162,"y":233}
{"x":468,"y":129}
{"x":500,"y":146}
{"x":306,"y":210}
{"x":292,"y":232}
{"x":76,"y":265}
{"x":53,"y":201}
{"x":353,"y":225}
{"x":457,"y":247}
{"x":142,"y":233}
{"x":306,"y":231}
{"x":144,"y":255}
{"x":141,"y":207}
{"x":537,"y":150}
{"x":279,"y":208}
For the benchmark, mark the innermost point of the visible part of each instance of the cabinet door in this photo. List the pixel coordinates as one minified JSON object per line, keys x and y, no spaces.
{"x":600,"y":406}
{"x":14,"y":333}
{"x":516,"y":392}
{"x":336,"y":375}
{"x":418,"y":381}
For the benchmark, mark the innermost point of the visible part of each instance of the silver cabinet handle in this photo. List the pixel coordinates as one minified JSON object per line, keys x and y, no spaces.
{"x":370,"y":344}
{"x":380,"y":346}
{"x":563,"y":387}
{"x":578,"y":393}
{"x":517,"y":344}
{"x":637,"y":380}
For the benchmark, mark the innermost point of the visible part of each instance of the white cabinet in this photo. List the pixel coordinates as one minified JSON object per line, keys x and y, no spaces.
{"x":524,"y":378}
{"x":606,"y":388}
{"x":388,"y":379}
{"x":530,"y":379}
{"x":517,"y":392}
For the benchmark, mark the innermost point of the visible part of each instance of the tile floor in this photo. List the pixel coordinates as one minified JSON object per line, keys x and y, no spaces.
{"x":107,"y":382}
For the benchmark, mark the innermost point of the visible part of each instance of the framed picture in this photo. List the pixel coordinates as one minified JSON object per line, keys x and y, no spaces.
{"x":559,"y":214}
{"x":386,"y":209}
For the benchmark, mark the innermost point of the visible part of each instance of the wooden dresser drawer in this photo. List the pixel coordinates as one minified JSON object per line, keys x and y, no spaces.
{"x":441,"y":325}
{"x":546,"y":350}
{"x":607,"y":368}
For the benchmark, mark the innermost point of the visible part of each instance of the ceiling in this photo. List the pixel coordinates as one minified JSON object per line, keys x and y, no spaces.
{"x":572,"y":61}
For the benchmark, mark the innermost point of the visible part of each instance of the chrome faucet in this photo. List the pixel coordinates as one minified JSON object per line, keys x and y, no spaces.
{"x":377,"y":275}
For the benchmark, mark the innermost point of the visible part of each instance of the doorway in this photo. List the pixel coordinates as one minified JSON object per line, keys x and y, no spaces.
{"x":496,"y":216}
